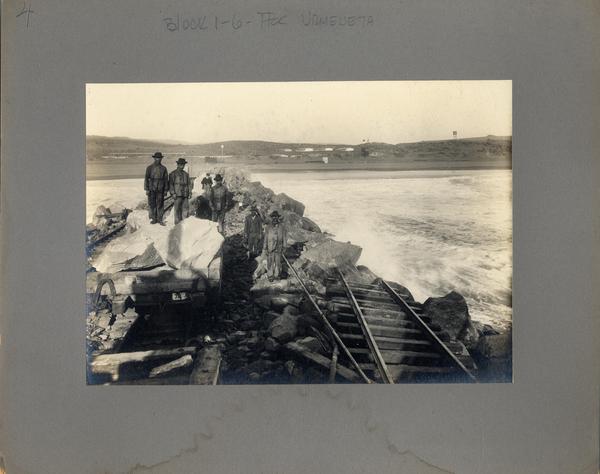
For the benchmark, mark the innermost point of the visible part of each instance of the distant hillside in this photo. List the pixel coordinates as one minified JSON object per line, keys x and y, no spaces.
{"x":109,"y":147}
{"x":127,"y":157}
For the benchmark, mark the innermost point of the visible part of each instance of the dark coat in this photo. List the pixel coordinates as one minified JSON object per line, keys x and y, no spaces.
{"x":157,"y":178}
{"x":179,"y":184}
{"x":253,"y":229}
{"x":218,"y":197}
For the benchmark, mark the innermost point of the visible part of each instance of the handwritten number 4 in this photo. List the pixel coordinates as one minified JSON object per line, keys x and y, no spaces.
{"x":26,"y":10}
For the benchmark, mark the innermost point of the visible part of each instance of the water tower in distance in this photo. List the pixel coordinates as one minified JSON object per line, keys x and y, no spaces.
{"x":455,"y":134}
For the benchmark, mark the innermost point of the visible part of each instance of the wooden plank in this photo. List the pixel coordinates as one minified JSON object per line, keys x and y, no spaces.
{"x":168,"y":369}
{"x":322,"y":361}
{"x":399,"y":357}
{"x":384,"y":331}
{"x":398,"y":370}
{"x":389,"y":322}
{"x":112,"y":363}
{"x":206,"y":367}
{"x":395,"y":313}
{"x":404,"y":344}
{"x":373,"y":304}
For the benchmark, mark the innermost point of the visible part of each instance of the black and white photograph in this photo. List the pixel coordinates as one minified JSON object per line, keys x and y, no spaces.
{"x":299,"y":232}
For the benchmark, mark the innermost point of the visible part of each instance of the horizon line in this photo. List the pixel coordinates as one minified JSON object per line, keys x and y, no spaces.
{"x":184,"y":142}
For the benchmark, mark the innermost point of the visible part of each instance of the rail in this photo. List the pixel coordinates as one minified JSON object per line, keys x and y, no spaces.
{"x":377,"y":357}
{"x":427,"y":330}
{"x":327,"y":324}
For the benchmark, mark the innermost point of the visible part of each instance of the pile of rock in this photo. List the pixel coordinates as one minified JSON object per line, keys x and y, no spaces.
{"x":193,"y":245}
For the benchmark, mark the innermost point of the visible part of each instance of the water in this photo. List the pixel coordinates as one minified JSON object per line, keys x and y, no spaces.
{"x":431,"y":231}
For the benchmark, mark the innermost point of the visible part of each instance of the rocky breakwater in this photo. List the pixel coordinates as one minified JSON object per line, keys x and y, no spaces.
{"x":269,"y":324}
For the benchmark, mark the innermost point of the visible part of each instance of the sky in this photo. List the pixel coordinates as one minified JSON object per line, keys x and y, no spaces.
{"x":342,"y":112}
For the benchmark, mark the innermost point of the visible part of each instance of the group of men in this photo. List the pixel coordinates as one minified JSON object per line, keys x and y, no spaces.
{"x":271,"y":238}
{"x":158,"y":182}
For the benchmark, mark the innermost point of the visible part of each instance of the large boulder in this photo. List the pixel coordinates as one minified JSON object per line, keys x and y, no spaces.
{"x":284,"y":328}
{"x":297,"y":231}
{"x":194,"y":244}
{"x":311,"y":226}
{"x":255,"y":193}
{"x":450,"y":312}
{"x":136,"y":220}
{"x":497,"y":346}
{"x":287,"y":203}
{"x":320,"y":260}
{"x":124,"y":250}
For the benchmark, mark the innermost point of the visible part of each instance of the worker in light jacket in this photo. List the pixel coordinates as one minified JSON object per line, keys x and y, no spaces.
{"x":274,"y":244}
{"x":156,"y":184}
{"x":180,"y":189}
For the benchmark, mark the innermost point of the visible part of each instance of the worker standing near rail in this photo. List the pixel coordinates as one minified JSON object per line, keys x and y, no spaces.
{"x":253,"y":232}
{"x":180,"y":189}
{"x":156,"y":184}
{"x":218,"y":202}
{"x":274,"y":245}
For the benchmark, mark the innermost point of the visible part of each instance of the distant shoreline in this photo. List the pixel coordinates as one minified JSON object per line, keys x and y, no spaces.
{"x":98,"y":173}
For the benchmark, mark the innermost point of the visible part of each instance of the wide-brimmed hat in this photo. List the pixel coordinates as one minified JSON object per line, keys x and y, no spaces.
{"x":181,"y":161}
{"x":218,"y":178}
{"x":275,"y":215}
{"x":158,"y":154}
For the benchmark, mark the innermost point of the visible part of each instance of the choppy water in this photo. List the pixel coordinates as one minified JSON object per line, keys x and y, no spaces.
{"x":431,"y":231}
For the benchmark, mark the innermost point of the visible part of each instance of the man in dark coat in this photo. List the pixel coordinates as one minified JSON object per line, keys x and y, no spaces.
{"x":206,"y":183}
{"x":218,"y":202}
{"x":180,"y":189}
{"x":156,"y":184}
{"x":253,"y":230}
{"x":274,"y":245}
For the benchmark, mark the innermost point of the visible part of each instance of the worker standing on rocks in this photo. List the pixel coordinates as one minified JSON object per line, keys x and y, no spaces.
{"x":180,"y":189}
{"x":218,"y":202}
{"x":274,"y":245}
{"x":253,"y":230}
{"x":156,"y":184}
{"x":206,"y":185}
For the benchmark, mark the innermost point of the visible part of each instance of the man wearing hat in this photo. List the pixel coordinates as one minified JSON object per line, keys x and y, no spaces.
{"x":274,"y":245}
{"x":253,"y":230}
{"x":156,"y":184}
{"x":218,"y":201}
{"x":206,"y":183}
{"x":180,"y":189}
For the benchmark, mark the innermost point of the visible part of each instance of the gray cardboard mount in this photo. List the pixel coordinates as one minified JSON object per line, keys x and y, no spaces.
{"x":546,"y":421}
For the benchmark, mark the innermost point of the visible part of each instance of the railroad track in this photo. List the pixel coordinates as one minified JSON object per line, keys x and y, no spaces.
{"x":390,"y":338}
